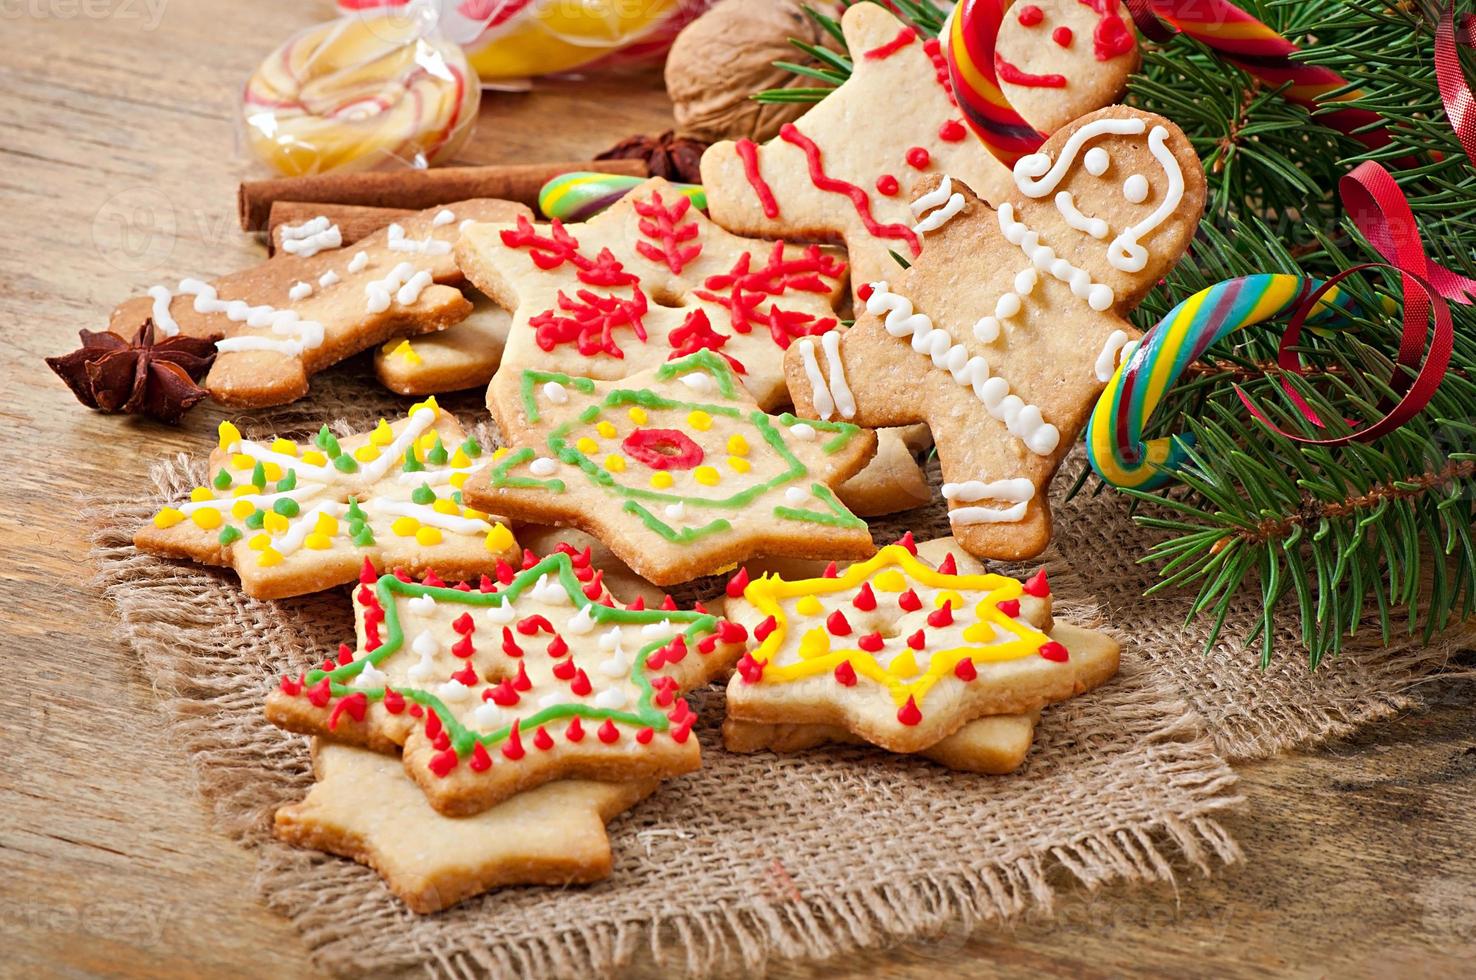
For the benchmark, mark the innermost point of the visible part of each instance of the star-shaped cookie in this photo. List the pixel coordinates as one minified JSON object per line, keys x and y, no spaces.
{"x":293,"y":519}
{"x":675,"y":469}
{"x":1002,"y":335}
{"x":845,"y":168}
{"x":364,"y":807}
{"x":317,"y":301}
{"x":534,"y":677}
{"x":904,"y":655}
{"x":647,"y":280}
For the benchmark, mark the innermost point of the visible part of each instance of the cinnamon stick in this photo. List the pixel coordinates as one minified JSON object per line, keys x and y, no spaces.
{"x":414,"y":190}
{"x":354,"y":221}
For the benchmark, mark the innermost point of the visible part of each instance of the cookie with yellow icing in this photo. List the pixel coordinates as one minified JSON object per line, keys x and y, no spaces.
{"x":676,"y":469}
{"x":363,"y":806}
{"x":293,"y":518}
{"x":465,"y":355}
{"x":903,"y":654}
{"x":532,"y":676}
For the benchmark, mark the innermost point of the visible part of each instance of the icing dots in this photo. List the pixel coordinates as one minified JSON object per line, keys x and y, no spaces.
{"x":1135,"y":189}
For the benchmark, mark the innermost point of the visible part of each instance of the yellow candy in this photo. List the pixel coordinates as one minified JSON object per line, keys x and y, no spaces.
{"x":229,"y":436}
{"x":707,"y":476}
{"x":904,"y":665}
{"x":168,"y":517}
{"x":458,"y":480}
{"x":326,"y":525}
{"x":661,"y":479}
{"x":273,"y":471}
{"x":739,"y":464}
{"x":737,"y":445}
{"x":366,"y":454}
{"x":405,"y":526}
{"x":382,"y":435}
{"x":269,"y":557}
{"x":274,"y":522}
{"x":637,"y":415}
{"x":498,"y":453}
{"x":284,"y":446}
{"x":460,"y":459}
{"x":445,"y":506}
{"x":317,"y":542}
{"x":259,"y":542}
{"x":499,"y":539}
{"x":242,"y":509}
{"x":201,"y":493}
{"x":428,"y":536}
{"x":427,"y":442}
{"x":314,"y":458}
{"x":429,"y":403}
{"x":606,"y":429}
{"x":240,"y":461}
{"x":587,"y":445}
{"x":244,"y":490}
{"x":890,"y":581}
{"x":808,"y":606}
{"x":951,"y":597}
{"x":699,"y":420}
{"x":615,"y":463}
{"x":815,"y":643}
{"x":472,"y":514}
{"x":406,"y":351}
{"x":207,"y":518}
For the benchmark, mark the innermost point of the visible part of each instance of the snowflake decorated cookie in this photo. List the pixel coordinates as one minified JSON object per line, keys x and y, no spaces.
{"x":293,"y":518}
{"x":1002,"y":335}
{"x":648,"y":280}
{"x":317,"y":301}
{"x":903,"y":654}
{"x":364,"y":807}
{"x":675,"y":469}
{"x":532,"y":676}
{"x":822,"y":178}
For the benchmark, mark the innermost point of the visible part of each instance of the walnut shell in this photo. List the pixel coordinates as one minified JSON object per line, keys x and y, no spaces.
{"x":723,"y":57}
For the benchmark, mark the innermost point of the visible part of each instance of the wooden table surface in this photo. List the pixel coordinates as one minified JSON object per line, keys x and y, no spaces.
{"x":118,"y":170}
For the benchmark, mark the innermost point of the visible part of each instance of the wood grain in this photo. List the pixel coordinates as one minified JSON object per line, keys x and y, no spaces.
{"x":118,"y":172}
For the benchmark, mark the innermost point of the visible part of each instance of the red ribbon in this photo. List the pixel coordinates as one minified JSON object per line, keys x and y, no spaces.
{"x":1379,"y":209}
{"x":1455,"y":91}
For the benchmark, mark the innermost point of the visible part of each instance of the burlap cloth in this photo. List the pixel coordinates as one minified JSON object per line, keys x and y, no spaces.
{"x":767,"y":856}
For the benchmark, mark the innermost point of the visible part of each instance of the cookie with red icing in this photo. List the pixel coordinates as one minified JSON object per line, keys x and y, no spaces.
{"x":845,"y":170}
{"x":648,"y":280}
{"x":363,"y":806}
{"x":1002,"y":335}
{"x":530,"y":676}
{"x":902,"y":654}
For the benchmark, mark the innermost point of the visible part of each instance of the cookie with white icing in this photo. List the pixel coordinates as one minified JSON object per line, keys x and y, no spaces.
{"x":531,"y":676}
{"x":1002,"y":335}
{"x":843,"y":171}
{"x":363,"y":806}
{"x":902,"y":654}
{"x":293,"y":518}
{"x":647,"y":280}
{"x":676,"y":469}
{"x":317,"y":301}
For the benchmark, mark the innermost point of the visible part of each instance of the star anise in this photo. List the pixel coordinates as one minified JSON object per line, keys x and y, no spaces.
{"x":668,"y":155}
{"x":156,"y":379}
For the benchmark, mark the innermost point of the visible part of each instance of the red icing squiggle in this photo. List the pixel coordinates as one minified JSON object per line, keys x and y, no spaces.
{"x":748,"y":152}
{"x":1111,"y":39}
{"x":1009,"y":73}
{"x":862,"y":201}
{"x":748,"y":289}
{"x":904,"y":37}
{"x":662,"y":222}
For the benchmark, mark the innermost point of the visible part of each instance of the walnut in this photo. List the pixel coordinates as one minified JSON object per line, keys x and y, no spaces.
{"x":726,"y":55}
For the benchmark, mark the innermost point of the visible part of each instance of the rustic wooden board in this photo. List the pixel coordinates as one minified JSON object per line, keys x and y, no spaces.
{"x":117,"y":169}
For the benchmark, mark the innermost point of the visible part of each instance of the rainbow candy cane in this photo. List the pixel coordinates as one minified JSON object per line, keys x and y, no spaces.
{"x":582,"y":194}
{"x":1115,"y":444}
{"x":972,"y":30}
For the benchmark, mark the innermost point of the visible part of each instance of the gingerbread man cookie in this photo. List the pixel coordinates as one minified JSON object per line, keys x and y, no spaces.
{"x":316,"y":302}
{"x":364,"y":807}
{"x":821,"y":180}
{"x":647,"y":280}
{"x":293,"y":519}
{"x":1005,"y":331}
{"x":902,"y":654}
{"x":675,"y":469}
{"x":537,"y":676}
